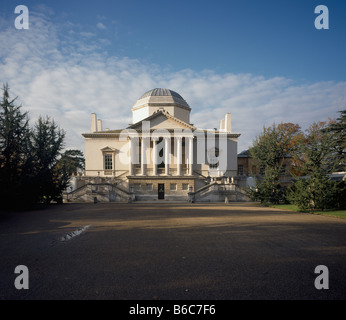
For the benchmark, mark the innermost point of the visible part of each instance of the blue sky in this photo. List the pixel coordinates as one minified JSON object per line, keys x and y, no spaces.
{"x":263,"y":61}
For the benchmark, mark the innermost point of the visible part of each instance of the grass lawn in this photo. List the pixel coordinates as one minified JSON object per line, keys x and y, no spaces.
{"x":330,"y":212}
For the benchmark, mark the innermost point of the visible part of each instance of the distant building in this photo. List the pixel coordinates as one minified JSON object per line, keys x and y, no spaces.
{"x":160,"y":156}
{"x":248,"y":168}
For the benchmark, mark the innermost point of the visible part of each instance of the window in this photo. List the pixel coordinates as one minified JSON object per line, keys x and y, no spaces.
{"x":240,"y":170}
{"x":213,"y":158}
{"x":108,"y":161}
{"x":138,"y":157}
{"x":149,"y":187}
{"x":137,"y":187}
{"x":173,"y":187}
{"x":185,"y":186}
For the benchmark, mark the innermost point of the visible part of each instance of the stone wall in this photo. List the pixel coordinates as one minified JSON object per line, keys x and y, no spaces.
{"x":176,"y":189}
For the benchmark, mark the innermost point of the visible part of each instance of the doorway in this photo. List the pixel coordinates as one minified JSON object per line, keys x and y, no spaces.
{"x":161,"y":191}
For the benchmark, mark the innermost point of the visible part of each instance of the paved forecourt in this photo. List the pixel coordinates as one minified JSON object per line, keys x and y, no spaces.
{"x":171,"y":251}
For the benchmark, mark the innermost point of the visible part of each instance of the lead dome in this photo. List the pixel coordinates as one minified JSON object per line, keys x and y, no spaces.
{"x":161,"y":99}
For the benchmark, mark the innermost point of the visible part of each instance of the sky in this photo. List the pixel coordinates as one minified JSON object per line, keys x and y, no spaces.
{"x":264,"y":62}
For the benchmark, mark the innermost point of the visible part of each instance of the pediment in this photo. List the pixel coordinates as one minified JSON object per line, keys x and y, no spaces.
{"x":108,"y":149}
{"x":163,"y":120}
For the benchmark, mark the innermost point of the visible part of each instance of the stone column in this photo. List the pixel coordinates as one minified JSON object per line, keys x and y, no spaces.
{"x":143,"y":156}
{"x":154,"y":156}
{"x":167,"y":155}
{"x":179,"y":154}
{"x":190,"y":155}
{"x":131,"y":153}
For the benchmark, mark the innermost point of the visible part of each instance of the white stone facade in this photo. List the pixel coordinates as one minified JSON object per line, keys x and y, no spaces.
{"x":161,"y":156}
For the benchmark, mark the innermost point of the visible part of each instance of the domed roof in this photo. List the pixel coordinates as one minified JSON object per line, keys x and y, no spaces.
{"x":161,"y":97}
{"x":162,"y":92}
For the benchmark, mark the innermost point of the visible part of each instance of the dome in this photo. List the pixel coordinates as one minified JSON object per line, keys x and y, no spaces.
{"x":161,"y":92}
{"x":161,"y":96}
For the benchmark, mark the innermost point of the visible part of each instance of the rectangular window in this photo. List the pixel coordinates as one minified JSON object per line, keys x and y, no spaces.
{"x":137,"y":187}
{"x":185,"y":186}
{"x":108,"y":161}
{"x":240,"y":170}
{"x":173,"y":187}
{"x":149,"y":187}
{"x":213,"y":158}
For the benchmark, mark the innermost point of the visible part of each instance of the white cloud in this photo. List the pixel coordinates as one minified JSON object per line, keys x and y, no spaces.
{"x":101,"y":26}
{"x":56,"y":73}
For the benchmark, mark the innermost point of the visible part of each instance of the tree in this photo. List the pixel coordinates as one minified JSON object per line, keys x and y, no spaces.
{"x":72,"y":160}
{"x":314,"y":153}
{"x":15,"y":156}
{"x":33,"y":168}
{"x":270,"y":149}
{"x":47,"y":143}
{"x":70,"y":163}
{"x":338,"y":130}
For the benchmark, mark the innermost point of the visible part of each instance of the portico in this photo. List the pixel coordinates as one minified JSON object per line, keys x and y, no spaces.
{"x":161,"y":156}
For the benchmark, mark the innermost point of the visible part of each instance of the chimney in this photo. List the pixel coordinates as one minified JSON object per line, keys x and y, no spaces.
{"x":228,"y":122}
{"x":222,"y":125}
{"x":93,"y":122}
{"x":99,"y":125}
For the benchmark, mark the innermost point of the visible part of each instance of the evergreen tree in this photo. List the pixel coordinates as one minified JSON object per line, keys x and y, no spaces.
{"x":314,"y":152}
{"x":47,"y":143}
{"x":33,"y":168}
{"x":70,"y":163}
{"x":338,"y":130}
{"x":15,"y":156}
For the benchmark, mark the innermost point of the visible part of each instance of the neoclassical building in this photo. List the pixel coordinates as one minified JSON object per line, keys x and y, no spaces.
{"x":160,"y":156}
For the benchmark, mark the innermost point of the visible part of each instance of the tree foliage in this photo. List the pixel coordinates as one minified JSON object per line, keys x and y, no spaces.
{"x":15,"y":145}
{"x":270,"y":149}
{"x":315,"y":154}
{"x":47,"y":143}
{"x":33,"y":167}
{"x":337,"y":129}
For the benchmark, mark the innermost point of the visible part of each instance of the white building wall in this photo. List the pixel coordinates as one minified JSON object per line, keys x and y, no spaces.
{"x":140,"y":114}
{"x":94,"y":155}
{"x":232,"y":151}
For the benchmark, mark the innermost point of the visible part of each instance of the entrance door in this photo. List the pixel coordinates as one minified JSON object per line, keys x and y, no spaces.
{"x":161,"y":191}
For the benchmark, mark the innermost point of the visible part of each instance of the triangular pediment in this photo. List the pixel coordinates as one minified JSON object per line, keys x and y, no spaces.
{"x":162,"y":120}
{"x":108,"y":149}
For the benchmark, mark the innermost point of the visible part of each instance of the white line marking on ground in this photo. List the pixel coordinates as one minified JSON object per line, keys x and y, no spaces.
{"x":74,"y":233}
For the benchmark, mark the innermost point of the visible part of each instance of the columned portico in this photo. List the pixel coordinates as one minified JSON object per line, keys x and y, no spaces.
{"x":170,"y":168}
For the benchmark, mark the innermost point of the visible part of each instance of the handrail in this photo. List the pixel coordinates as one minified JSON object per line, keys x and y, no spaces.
{"x":79,"y":191}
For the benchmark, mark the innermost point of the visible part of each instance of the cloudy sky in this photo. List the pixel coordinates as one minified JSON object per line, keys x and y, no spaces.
{"x":262,"y":61}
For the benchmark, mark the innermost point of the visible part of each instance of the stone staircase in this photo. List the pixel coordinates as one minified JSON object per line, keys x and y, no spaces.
{"x":99,"y":192}
{"x":219,"y":192}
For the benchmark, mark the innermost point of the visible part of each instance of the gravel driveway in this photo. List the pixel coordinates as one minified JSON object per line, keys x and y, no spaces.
{"x":164,"y":251}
